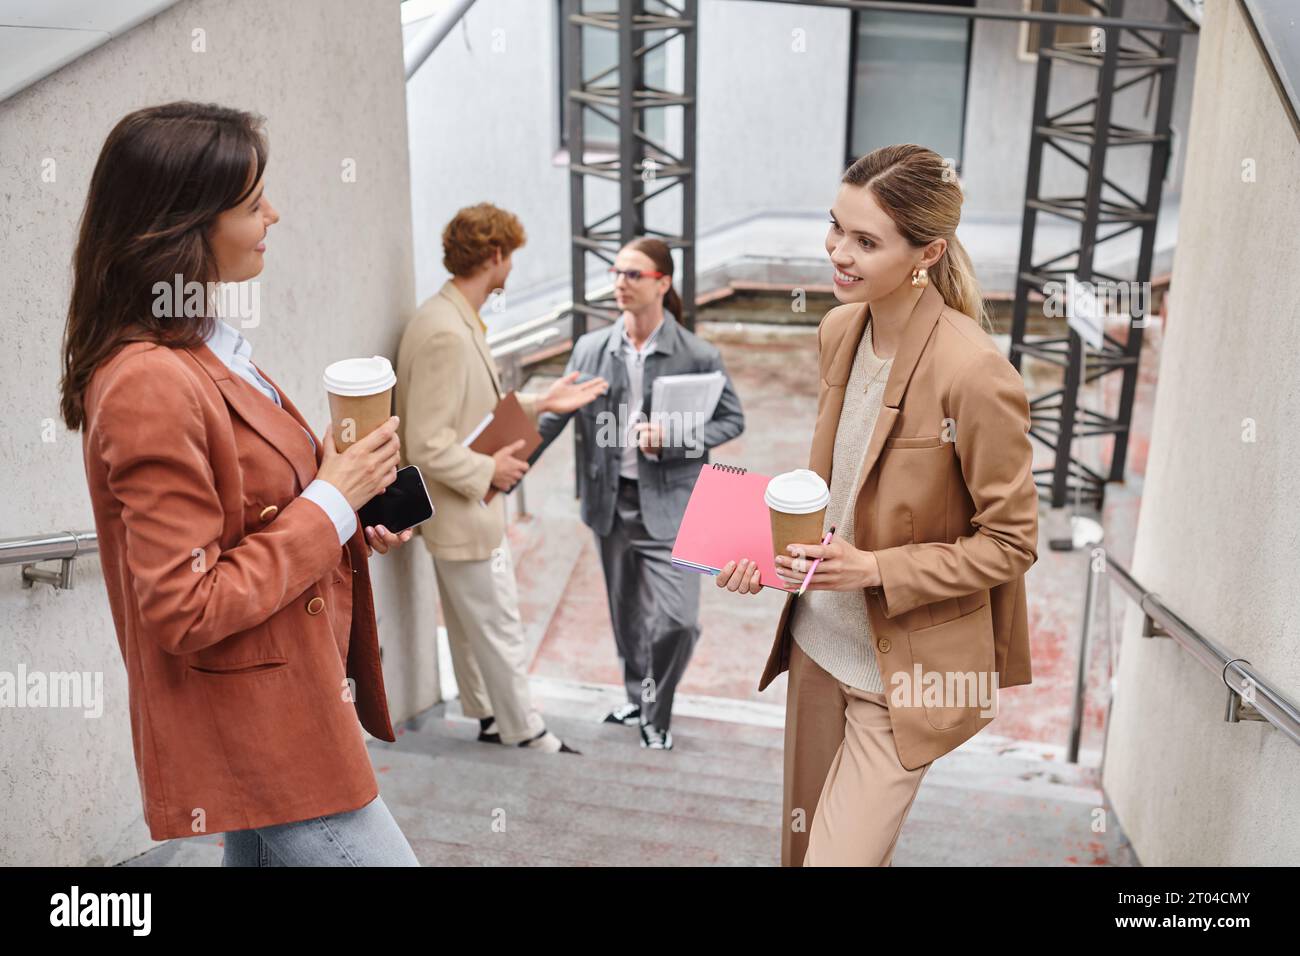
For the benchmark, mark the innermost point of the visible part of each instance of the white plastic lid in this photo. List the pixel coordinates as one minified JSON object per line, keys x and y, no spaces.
{"x":360,"y":376}
{"x":797,"y":492}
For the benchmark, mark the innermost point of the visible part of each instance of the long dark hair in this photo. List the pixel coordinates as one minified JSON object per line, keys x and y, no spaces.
{"x":163,"y":176}
{"x":662,"y":257}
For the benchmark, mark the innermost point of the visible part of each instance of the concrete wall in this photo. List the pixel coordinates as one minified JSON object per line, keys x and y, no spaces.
{"x":1218,"y":527}
{"x":327,"y":74}
{"x":771,"y":126}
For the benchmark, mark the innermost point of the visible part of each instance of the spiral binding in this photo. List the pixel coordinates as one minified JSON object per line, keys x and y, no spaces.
{"x":733,"y":469}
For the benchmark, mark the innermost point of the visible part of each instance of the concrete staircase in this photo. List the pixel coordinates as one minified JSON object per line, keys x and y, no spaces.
{"x":715,"y":799}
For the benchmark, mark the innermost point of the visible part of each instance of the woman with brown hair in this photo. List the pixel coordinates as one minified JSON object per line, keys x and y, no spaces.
{"x":235,"y":568}
{"x":915,"y":612}
{"x":636,"y":478}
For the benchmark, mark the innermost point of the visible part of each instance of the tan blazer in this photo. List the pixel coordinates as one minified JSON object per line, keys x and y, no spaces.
{"x":953,"y":523}
{"x":240,"y":618}
{"x":446,"y":383}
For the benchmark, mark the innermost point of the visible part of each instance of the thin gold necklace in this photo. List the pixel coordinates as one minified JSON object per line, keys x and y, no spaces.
{"x":883,"y":365}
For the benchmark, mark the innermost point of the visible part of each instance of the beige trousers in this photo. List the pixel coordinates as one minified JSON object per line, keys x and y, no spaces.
{"x":846,"y":795}
{"x":480,"y":608}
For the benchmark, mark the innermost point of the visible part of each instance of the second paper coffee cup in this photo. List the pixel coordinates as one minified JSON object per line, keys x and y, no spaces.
{"x":361,"y":397}
{"x":797,"y":502}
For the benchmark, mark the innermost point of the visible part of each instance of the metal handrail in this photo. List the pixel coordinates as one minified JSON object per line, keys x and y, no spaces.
{"x":1250,"y":696}
{"x":546,"y":318}
{"x":65,"y":546}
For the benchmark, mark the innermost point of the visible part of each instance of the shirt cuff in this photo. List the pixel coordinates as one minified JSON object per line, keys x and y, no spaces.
{"x":332,"y":502}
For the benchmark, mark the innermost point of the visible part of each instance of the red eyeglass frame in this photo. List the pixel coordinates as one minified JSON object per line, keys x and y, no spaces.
{"x":640,"y":273}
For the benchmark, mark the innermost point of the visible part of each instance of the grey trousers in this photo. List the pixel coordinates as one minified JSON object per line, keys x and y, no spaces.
{"x":653,"y":606}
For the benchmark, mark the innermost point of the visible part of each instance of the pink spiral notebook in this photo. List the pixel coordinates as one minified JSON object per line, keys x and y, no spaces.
{"x":727,"y":519}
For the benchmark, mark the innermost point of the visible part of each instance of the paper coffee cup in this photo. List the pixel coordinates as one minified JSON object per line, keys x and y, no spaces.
{"x":361,"y":397}
{"x":797,"y":502}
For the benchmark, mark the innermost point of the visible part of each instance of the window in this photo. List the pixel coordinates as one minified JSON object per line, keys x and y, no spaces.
{"x":1029,"y":32}
{"x":909,"y":80}
{"x":599,"y":53}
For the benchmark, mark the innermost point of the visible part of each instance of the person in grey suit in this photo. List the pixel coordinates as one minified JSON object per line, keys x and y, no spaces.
{"x":636,"y":476}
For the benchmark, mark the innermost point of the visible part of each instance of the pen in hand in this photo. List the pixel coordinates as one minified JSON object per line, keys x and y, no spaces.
{"x":808,"y":577}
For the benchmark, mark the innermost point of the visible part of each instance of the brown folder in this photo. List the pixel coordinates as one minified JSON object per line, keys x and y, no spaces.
{"x":509,"y":424}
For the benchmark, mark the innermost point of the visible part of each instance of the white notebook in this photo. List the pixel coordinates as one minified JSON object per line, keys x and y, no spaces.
{"x":693,"y":396}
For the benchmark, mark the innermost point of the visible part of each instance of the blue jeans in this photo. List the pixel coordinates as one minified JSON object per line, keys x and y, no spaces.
{"x":365,"y":837}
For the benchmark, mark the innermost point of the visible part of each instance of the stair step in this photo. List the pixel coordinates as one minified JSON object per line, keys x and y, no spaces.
{"x":525,"y":839}
{"x":978,"y":773}
{"x":662,"y":824}
{"x":590,"y":709}
{"x":464,"y":781}
{"x":946,"y":829}
{"x":611,"y":743}
{"x":622,"y":760}
{"x":739,"y":741}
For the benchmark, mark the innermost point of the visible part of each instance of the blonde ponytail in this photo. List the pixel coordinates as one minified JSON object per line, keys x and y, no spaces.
{"x":954,"y":278}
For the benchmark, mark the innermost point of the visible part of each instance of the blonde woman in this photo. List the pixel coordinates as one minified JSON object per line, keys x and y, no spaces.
{"x":916,"y":613}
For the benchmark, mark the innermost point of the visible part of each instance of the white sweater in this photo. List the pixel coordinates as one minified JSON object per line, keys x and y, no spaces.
{"x":832,"y":627}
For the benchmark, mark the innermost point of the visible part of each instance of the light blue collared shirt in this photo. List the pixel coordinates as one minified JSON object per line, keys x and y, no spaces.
{"x":229,"y":345}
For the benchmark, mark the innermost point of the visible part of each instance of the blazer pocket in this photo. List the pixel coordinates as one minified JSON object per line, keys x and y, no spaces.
{"x":926,"y":441}
{"x":264,"y":643}
{"x":246,"y":667}
{"x":959,"y":653}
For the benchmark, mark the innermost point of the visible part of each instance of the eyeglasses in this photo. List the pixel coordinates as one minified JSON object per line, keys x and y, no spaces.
{"x":633,"y":274}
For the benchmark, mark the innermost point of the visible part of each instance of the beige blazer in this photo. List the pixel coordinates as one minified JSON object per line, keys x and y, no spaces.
{"x":446,"y":383}
{"x":948,"y":504}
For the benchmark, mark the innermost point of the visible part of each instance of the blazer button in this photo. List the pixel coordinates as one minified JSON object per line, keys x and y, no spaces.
{"x":884,"y":645}
{"x":269,"y":512}
{"x":315,"y":605}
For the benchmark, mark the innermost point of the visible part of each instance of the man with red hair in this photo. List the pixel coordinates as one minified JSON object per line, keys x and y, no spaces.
{"x":446,"y":384}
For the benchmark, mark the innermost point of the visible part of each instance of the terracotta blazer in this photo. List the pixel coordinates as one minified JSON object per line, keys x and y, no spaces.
{"x":247,"y":632}
{"x":949,"y":506}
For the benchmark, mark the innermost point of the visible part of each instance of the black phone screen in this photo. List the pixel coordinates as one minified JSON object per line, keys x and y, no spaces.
{"x":403,"y":504}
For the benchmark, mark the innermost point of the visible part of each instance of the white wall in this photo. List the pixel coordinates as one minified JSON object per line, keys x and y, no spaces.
{"x":1218,"y":530}
{"x":327,"y":74}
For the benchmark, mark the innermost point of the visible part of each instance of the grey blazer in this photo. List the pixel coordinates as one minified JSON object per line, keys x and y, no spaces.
{"x":665,"y":485}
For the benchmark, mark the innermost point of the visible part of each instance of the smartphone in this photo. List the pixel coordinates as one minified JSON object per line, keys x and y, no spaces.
{"x":403,"y":504}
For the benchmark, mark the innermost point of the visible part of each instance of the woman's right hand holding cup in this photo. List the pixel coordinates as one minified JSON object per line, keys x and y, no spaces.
{"x":364,"y":468}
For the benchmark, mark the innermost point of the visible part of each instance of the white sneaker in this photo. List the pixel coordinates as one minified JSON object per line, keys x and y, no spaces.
{"x":655,"y":739}
{"x":629,"y":715}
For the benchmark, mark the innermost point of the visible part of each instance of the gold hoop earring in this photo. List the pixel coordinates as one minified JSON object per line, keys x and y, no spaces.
{"x":919,"y":278}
